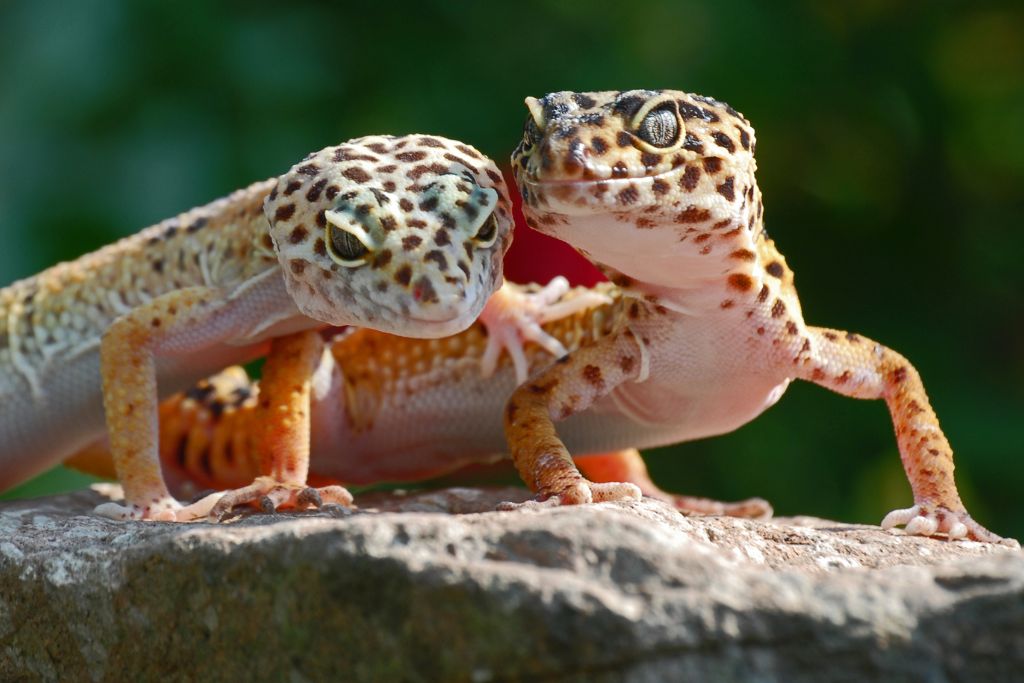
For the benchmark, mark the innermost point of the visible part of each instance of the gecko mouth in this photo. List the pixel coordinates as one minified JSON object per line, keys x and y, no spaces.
{"x":532,"y":180}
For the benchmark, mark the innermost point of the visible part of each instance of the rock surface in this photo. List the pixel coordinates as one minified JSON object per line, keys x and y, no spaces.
{"x":405,"y":590}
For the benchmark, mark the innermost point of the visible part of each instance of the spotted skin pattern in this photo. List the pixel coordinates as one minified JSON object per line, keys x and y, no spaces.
{"x":657,"y":188}
{"x":424,"y":220}
{"x":386,"y":408}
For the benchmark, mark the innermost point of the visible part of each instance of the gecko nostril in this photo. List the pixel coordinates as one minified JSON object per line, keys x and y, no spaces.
{"x":424,"y":292}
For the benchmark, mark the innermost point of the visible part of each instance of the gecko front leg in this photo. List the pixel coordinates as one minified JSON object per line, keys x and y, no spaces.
{"x":514,"y":315}
{"x":571,"y":385}
{"x":183,"y":321}
{"x":855,"y":366}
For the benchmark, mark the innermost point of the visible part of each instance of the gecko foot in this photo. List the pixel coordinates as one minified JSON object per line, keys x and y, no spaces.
{"x":921,"y":520}
{"x":579,"y":493}
{"x":162,"y":510}
{"x":514,"y":315}
{"x":272,"y":495}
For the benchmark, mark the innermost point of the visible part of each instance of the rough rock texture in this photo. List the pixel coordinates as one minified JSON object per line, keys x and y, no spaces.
{"x":411,"y":592}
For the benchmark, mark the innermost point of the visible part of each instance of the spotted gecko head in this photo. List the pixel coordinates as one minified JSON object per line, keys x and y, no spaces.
{"x":658,"y":166}
{"x":401,"y":234}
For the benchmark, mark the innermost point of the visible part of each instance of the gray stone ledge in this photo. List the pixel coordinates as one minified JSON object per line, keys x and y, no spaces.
{"x":406,"y":590}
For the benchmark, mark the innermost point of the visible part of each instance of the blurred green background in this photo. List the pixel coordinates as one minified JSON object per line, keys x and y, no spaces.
{"x":891,"y":154}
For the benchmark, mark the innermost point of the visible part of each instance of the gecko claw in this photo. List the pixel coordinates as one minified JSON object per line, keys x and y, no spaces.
{"x":271,"y":495}
{"x":514,"y":315}
{"x":921,"y":520}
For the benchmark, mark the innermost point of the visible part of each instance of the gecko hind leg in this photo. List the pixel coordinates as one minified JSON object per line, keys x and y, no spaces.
{"x":628,"y":465}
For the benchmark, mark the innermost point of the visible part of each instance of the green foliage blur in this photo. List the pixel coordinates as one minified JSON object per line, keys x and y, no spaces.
{"x":890,"y":146}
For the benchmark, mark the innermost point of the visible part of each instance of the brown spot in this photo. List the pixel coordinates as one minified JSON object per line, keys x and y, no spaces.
{"x":628,"y":195}
{"x":155,"y":322}
{"x":626,"y":363}
{"x":691,"y":176}
{"x":791,"y":328}
{"x":599,"y":145}
{"x":726,"y":189}
{"x":762,"y":296}
{"x":831,"y":336}
{"x":634,"y":310}
{"x":510,"y":412}
{"x":742,"y":255}
{"x":744,"y":137}
{"x":693,"y":215}
{"x":843,"y":378}
{"x":405,"y":204}
{"x":382,"y":259}
{"x":416,"y":172}
{"x":817,"y":374}
{"x":760,"y":330}
{"x":592,"y":374}
{"x":466,"y":149}
{"x":319,"y":248}
{"x":778,"y":309}
{"x":723,"y":140}
{"x":620,"y":170}
{"x":411,"y":156}
{"x":284,"y":212}
{"x":775,"y":269}
{"x":356,"y":174}
{"x":424,"y":290}
{"x":741,"y":282}
{"x":316,"y":189}
{"x":624,"y":139}
{"x":852,"y":338}
{"x":659,"y":187}
{"x":388,"y":223}
{"x":298,"y":234}
{"x":899,"y":375}
{"x":158,"y":265}
{"x":712,"y":165}
{"x":728,"y":303}
{"x":292,"y":187}
{"x":411,"y":242}
{"x":389,"y":168}
{"x":297,"y":266}
{"x":437,"y":257}
{"x":404,"y":276}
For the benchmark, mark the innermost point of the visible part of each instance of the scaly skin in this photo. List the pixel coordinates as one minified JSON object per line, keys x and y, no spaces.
{"x":657,"y":188}
{"x":388,"y":408}
{"x":398,"y":234}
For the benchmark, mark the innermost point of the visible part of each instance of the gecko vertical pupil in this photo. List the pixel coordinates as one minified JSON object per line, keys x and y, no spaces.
{"x":660,"y":127}
{"x":345,"y":245}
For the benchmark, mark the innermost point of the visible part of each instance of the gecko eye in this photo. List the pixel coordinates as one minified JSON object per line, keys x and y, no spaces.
{"x":344,"y":247}
{"x":487,"y":233}
{"x":660,"y":126}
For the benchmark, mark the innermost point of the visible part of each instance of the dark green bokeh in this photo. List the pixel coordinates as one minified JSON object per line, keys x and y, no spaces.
{"x":890,"y":147}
